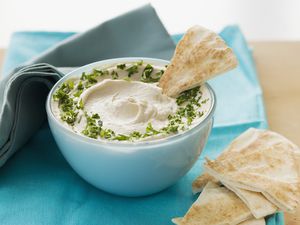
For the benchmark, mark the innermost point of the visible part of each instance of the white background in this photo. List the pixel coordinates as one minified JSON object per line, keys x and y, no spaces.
{"x":259,"y":19}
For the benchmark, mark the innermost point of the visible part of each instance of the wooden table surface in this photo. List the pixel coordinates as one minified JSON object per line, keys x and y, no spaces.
{"x":278,"y":66}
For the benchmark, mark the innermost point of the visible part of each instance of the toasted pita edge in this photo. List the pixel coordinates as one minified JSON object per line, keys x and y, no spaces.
{"x":248,"y":197}
{"x":254,"y":222}
{"x":236,"y":206}
{"x":177,"y":220}
{"x":200,"y":182}
{"x":224,"y":179}
{"x":199,"y":56}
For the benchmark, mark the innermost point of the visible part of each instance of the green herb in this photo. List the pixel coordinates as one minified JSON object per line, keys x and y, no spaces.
{"x":121,"y":137}
{"x":80,"y":86}
{"x":67,"y":104}
{"x":121,"y":66}
{"x":80,"y":104}
{"x":70,"y":84}
{"x":83,"y":76}
{"x":150,"y":131}
{"x":200,"y":114}
{"x":114,"y":75}
{"x":135,"y":135}
{"x":132,"y":70}
{"x":171,"y":129}
{"x":69,"y":117}
{"x":92,"y":129}
{"x":90,"y":78}
{"x":146,"y":75}
{"x":140,"y":63}
{"x":187,"y":95}
{"x":158,"y":75}
{"x":78,"y":93}
{"x":62,"y":92}
{"x":204,"y":101}
{"x":95,"y":116}
{"x":79,"y":120}
{"x":60,"y":95}
{"x":107,"y":133}
{"x":175,"y":121}
{"x":147,"y":72}
{"x":100,"y":73}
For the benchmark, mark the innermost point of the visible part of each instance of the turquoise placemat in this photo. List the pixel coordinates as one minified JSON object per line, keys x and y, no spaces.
{"x":39,"y":187}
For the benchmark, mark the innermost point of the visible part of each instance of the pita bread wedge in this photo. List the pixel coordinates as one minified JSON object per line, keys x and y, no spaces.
{"x":216,"y":205}
{"x":233,"y":148}
{"x":177,"y":220}
{"x":199,"y":56}
{"x":268,"y":163}
{"x":255,"y":201}
{"x":254,"y":222}
{"x":259,"y":206}
{"x":200,"y":182}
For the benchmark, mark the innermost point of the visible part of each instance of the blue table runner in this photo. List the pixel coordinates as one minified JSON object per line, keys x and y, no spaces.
{"x":39,"y":187}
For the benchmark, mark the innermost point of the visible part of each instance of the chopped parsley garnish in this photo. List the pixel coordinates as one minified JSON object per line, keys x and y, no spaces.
{"x":107,"y":133}
{"x":114,"y":75}
{"x":150,"y":131}
{"x":70,"y":104}
{"x":121,"y":137}
{"x":121,"y":66}
{"x":187,"y":95}
{"x":132,"y":70}
{"x":69,"y":117}
{"x":95,"y":116}
{"x":146,"y":75}
{"x":92,"y":128}
{"x":91,"y":78}
{"x":135,"y":135}
{"x":80,"y":86}
{"x":147,"y":72}
{"x":78,"y":93}
{"x":80,"y":104}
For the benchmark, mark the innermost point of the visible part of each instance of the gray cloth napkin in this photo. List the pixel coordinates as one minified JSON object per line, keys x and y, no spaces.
{"x":24,"y":91}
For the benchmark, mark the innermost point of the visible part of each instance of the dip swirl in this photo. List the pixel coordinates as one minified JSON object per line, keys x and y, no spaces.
{"x":128,"y":106}
{"x":123,"y":103}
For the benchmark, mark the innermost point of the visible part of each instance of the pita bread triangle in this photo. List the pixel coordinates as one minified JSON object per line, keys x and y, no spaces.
{"x":255,"y":201}
{"x":247,"y":222}
{"x":254,"y":222}
{"x":199,"y":56}
{"x":259,"y":206}
{"x":216,"y":205}
{"x":200,"y":182}
{"x":267,"y":163}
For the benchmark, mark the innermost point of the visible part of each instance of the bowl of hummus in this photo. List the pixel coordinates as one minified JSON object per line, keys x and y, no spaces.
{"x":120,"y":133}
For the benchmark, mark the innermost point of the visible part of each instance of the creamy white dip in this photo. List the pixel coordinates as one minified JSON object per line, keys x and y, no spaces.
{"x":123,"y":103}
{"x":128,"y":106}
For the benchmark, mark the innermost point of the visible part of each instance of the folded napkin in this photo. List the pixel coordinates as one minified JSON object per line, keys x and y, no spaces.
{"x":39,"y":187}
{"x":23,"y":92}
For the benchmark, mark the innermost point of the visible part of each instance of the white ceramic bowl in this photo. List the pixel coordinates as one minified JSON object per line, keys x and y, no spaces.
{"x":130,"y":169}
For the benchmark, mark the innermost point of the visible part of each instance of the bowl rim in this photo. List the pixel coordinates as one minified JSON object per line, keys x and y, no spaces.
{"x":111,"y":61}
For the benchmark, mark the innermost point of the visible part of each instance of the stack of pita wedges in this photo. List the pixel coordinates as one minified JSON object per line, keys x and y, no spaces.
{"x":256,"y":176}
